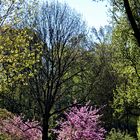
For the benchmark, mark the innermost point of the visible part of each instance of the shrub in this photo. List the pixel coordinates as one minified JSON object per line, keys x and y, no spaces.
{"x":138,"y":128}
{"x":81,"y":124}
{"x":4,"y":137}
{"x":118,"y":135}
{"x":14,"y":128}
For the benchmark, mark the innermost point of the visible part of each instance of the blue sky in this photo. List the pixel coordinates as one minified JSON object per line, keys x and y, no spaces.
{"x":95,"y":13}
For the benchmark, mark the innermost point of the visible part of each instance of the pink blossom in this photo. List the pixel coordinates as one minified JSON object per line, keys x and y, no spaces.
{"x":15,"y":127}
{"x":81,"y":124}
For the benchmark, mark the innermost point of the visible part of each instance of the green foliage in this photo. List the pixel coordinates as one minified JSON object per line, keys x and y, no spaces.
{"x":4,"y":114}
{"x":20,"y":52}
{"x":127,"y":66}
{"x":4,"y":137}
{"x":101,"y":78}
{"x":138,"y":128}
{"x":118,"y":135}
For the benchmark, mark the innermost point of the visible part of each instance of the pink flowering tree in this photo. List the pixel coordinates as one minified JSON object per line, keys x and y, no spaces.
{"x":81,"y":124}
{"x":16,"y":129}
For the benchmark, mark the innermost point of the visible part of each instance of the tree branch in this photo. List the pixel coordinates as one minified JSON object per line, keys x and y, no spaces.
{"x":132,"y":21}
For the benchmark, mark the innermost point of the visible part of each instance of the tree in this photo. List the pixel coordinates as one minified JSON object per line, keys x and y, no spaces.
{"x":20,"y":49}
{"x":125,"y":41}
{"x":126,"y":64}
{"x":12,"y":10}
{"x":100,"y":75}
{"x":8,"y":10}
{"x":132,"y":19}
{"x":61,"y":31}
{"x":81,"y":123}
{"x":129,"y":9}
{"x":20,"y":52}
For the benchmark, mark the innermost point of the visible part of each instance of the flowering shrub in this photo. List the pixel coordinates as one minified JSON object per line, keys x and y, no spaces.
{"x":81,"y":124}
{"x":16,"y":128}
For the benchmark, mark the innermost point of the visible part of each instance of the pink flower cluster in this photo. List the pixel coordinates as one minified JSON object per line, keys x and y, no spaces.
{"x":81,"y":124}
{"x":16,"y":128}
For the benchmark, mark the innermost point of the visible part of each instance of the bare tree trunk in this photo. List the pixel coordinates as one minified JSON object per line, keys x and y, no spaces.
{"x":46,"y":116}
{"x":45,"y":127}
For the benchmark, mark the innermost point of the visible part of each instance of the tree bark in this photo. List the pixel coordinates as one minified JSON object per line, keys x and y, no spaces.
{"x":132,"y":21}
{"x":45,"y":126}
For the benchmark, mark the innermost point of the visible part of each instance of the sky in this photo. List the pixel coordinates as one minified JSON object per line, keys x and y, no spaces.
{"x":94,"y":13}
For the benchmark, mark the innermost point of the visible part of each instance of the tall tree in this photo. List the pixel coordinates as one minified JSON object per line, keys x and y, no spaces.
{"x":101,"y":75}
{"x":62,"y":32}
{"x":126,"y":64}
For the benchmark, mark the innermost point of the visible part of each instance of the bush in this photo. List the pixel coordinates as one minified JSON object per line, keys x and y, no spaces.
{"x":118,"y":135}
{"x":138,"y":128}
{"x":81,"y":124}
{"x":13,"y":127}
{"x":4,"y":137}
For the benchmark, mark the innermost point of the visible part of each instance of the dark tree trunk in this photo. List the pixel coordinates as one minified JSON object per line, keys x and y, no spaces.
{"x":45,"y":127}
{"x":132,"y":21}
